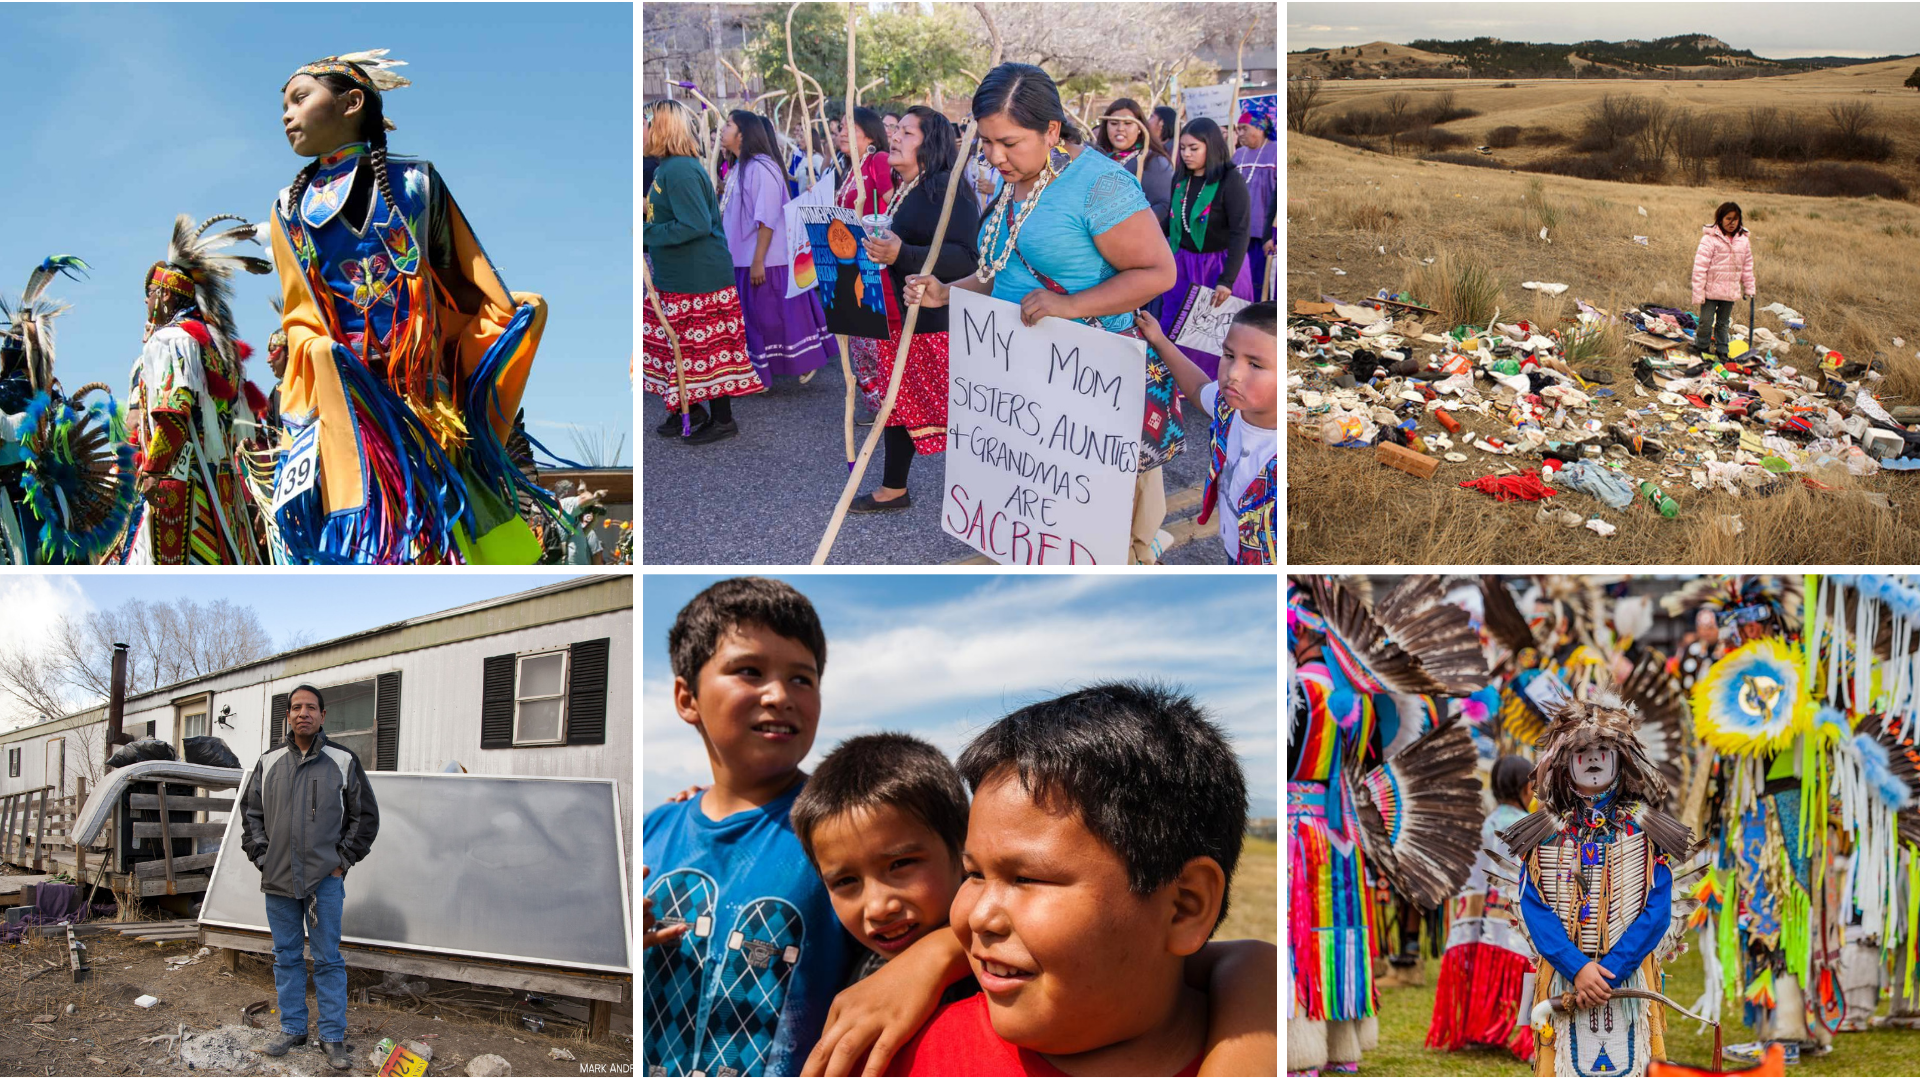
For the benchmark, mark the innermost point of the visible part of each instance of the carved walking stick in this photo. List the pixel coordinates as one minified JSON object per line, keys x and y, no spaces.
{"x":899,"y":361}
{"x":673,"y":339}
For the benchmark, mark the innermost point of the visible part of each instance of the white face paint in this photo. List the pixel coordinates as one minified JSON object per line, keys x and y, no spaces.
{"x":1594,"y":769}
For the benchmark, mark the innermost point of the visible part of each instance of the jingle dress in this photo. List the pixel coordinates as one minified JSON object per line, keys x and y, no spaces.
{"x":406,"y":361}
{"x":692,"y":273}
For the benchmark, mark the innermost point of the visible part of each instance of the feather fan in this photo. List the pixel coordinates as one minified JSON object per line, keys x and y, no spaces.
{"x":1420,"y":815}
{"x":1412,"y":641}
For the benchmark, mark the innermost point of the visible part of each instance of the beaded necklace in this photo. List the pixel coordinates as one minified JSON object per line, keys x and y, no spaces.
{"x":900,"y":194}
{"x":992,"y":264}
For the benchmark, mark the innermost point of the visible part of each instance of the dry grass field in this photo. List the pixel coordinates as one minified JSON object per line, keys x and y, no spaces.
{"x":1255,"y":910}
{"x":1850,"y":266}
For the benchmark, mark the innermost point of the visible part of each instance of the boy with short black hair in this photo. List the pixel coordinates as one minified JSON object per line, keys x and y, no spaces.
{"x":1244,"y":443}
{"x":743,"y":951}
{"x":1104,"y":830}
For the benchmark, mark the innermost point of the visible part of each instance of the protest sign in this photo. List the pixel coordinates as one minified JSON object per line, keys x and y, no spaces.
{"x":1213,"y":102}
{"x":799,"y":248}
{"x":1043,"y":435}
{"x":1200,"y":325}
{"x":853,"y":288}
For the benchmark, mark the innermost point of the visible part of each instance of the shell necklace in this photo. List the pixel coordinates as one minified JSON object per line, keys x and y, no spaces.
{"x":900,"y":194}
{"x":993,"y":264}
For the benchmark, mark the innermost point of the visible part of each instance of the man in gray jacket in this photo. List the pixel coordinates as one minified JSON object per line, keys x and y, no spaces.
{"x":307,"y":815}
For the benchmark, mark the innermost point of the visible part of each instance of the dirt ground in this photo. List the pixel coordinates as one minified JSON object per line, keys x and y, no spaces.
{"x":106,"y":1034}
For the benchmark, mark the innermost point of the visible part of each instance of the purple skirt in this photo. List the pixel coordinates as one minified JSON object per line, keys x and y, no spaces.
{"x":784,"y":337}
{"x":1202,"y":269}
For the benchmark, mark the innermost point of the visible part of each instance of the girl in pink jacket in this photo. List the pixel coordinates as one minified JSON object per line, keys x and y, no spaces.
{"x":1722,"y":273}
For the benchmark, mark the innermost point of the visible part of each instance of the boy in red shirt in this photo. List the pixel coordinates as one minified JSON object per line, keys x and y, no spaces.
{"x":1103,"y":833}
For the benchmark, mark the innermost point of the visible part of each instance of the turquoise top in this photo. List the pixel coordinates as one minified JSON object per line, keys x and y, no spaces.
{"x":1091,"y":195}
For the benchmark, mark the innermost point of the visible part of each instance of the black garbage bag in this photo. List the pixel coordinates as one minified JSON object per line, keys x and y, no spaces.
{"x":141,"y":750}
{"x":209,"y":750}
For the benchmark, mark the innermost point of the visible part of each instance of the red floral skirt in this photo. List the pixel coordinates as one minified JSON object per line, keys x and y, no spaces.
{"x":713,"y":346}
{"x":921,"y":407}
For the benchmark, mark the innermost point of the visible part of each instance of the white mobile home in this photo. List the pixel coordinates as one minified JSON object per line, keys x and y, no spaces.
{"x":538,"y":683}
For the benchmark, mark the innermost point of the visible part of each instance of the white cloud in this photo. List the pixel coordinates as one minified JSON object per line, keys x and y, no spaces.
{"x":34,"y":604}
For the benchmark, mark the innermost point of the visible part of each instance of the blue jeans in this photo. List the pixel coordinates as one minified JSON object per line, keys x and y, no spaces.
{"x":1716,"y":319}
{"x":287,"y":917}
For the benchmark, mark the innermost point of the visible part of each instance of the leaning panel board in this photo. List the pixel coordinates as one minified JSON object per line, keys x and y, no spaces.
{"x":528,"y":869}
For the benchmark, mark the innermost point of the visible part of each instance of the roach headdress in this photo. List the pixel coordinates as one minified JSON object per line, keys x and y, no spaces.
{"x":195,"y":273}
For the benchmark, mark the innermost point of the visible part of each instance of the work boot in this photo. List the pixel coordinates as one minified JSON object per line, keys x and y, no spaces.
{"x":283,"y":1042}
{"x":337,"y":1055}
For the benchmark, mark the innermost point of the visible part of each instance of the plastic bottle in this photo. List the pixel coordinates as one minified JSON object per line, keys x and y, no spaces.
{"x":1447,"y":421}
{"x":1658,"y":499}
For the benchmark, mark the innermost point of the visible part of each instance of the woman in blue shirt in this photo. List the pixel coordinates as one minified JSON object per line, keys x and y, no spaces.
{"x":1070,"y":235}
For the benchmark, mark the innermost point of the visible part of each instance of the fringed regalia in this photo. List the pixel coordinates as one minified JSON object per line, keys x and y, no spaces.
{"x":1409,"y":821}
{"x":1485,"y":969}
{"x":1595,"y":885}
{"x":406,"y":361}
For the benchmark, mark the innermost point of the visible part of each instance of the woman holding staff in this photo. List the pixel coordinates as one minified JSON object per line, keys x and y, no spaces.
{"x":694,"y":285}
{"x":1072,"y":237}
{"x":924,"y":157}
{"x":869,"y":147}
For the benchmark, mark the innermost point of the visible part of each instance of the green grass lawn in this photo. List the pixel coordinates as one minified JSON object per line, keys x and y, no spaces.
{"x":1254,"y":911}
{"x":1406,"y":1011}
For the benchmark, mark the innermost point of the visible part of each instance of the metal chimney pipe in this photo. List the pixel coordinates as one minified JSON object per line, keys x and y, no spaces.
{"x":117,"y":703}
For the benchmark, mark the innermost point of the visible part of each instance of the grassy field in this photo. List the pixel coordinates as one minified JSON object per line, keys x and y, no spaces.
{"x":1255,"y":910}
{"x":1406,"y":1011}
{"x":1848,"y":265}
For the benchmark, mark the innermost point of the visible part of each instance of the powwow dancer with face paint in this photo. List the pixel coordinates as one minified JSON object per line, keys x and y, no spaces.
{"x":1597,"y":891}
{"x":1368,"y":678}
{"x":406,"y":354}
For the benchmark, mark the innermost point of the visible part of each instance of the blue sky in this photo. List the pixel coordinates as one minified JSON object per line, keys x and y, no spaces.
{"x":122,"y":116}
{"x":943,"y":656}
{"x":319,"y":605}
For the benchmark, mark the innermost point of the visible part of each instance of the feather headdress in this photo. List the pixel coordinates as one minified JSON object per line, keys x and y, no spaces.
{"x":195,"y":270}
{"x":29,"y":322}
{"x":1603,"y":721}
{"x":1420,"y":815}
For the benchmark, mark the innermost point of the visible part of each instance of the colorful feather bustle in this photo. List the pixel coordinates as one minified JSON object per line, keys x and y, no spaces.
{"x":1420,"y":815}
{"x":1412,"y":641}
{"x":1754,"y":700}
{"x":1663,"y":711}
{"x":77,"y":476}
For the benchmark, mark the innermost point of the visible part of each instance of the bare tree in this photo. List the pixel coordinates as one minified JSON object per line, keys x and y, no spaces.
{"x":1303,"y":97}
{"x":1852,"y":118}
{"x":1397,"y":106}
{"x":1693,"y":143}
{"x":168,"y":642}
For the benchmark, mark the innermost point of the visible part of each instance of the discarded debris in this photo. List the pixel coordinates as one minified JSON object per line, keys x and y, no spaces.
{"x":146,"y":1001}
{"x":43,"y":1018}
{"x":489,"y":1065}
{"x":560,"y":1053}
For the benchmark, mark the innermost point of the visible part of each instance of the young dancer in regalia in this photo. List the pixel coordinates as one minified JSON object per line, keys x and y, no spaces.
{"x":1597,"y":891}
{"x":191,"y":407}
{"x":406,"y":354}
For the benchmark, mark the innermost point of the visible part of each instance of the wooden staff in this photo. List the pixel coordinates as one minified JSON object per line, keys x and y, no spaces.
{"x":673,"y":339}
{"x":713,"y":144}
{"x":859,"y":197}
{"x":899,"y":362}
{"x":800,"y":91}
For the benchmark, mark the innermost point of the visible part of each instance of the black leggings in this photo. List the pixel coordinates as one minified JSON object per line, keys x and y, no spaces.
{"x":899,"y":457}
{"x":721,"y":409}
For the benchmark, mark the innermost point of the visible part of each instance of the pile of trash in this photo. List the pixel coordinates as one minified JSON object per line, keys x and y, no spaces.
{"x":1504,"y":406}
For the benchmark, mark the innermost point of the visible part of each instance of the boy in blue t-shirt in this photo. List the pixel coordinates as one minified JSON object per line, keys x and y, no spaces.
{"x":743,"y":953}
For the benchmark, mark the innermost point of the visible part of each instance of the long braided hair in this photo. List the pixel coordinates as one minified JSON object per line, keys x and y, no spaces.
{"x":373,"y":132}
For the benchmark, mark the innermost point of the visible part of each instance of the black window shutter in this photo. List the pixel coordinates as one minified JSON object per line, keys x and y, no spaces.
{"x":587,"y":693}
{"x":496,"y":703}
{"x":386,"y":722}
{"x":277,"y":728}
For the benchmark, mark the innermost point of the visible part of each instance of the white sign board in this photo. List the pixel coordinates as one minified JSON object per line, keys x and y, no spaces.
{"x":1200,"y":325}
{"x":820,"y":194}
{"x":1043,"y":435}
{"x":1213,"y":102}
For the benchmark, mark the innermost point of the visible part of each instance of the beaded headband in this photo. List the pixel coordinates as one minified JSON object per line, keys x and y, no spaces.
{"x":369,"y":70}
{"x":172,"y":280}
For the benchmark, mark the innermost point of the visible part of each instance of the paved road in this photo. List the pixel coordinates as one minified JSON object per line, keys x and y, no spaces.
{"x":765,"y":496}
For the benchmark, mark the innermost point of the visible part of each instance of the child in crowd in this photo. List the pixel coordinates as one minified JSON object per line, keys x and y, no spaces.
{"x":743,"y":954}
{"x":1244,"y":405}
{"x":1103,"y":834}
